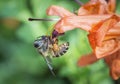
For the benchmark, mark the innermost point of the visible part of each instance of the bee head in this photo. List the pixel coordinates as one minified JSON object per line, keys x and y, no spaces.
{"x":40,"y":41}
{"x":36,"y":44}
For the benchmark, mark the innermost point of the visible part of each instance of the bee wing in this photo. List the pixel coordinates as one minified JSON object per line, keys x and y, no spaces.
{"x":48,"y":61}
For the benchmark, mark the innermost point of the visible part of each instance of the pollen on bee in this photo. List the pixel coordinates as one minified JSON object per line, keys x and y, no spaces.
{"x":55,"y":47}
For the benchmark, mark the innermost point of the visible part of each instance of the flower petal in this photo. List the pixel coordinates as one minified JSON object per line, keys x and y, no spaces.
{"x":115,"y":31}
{"x":58,"y":11}
{"x":98,"y":35}
{"x":83,"y":22}
{"x":87,"y":59}
{"x":112,"y":5}
{"x":97,"y":7}
{"x":98,"y":32}
{"x":113,"y":61}
{"x":93,"y":7}
{"x":108,"y":47}
{"x":115,"y":69}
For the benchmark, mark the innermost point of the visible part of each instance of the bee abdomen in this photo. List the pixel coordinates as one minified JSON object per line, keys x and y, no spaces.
{"x":62,"y":49}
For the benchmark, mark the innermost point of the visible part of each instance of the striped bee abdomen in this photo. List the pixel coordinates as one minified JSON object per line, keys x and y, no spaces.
{"x":62,"y":49}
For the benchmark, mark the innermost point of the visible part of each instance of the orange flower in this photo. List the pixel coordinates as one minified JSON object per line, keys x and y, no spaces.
{"x":98,"y":18}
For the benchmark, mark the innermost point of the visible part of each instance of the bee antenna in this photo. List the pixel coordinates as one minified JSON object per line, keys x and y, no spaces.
{"x":31,"y":19}
{"x":42,"y":19}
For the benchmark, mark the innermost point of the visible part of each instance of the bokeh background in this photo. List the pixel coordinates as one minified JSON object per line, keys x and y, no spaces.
{"x":20,"y":63}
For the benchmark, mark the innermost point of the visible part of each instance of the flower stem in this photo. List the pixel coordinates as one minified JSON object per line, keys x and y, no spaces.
{"x":79,"y":2}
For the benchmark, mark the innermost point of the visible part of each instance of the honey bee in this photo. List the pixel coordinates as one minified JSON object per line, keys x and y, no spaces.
{"x":48,"y":48}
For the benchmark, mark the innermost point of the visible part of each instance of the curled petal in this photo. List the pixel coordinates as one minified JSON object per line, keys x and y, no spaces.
{"x":115,"y":31}
{"x":87,"y":59}
{"x":58,"y":11}
{"x":108,"y":47}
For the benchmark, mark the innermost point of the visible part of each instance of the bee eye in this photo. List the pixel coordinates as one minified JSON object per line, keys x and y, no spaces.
{"x":36,"y":44}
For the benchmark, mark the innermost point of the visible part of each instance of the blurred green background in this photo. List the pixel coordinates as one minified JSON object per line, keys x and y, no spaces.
{"x":20,"y":63}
